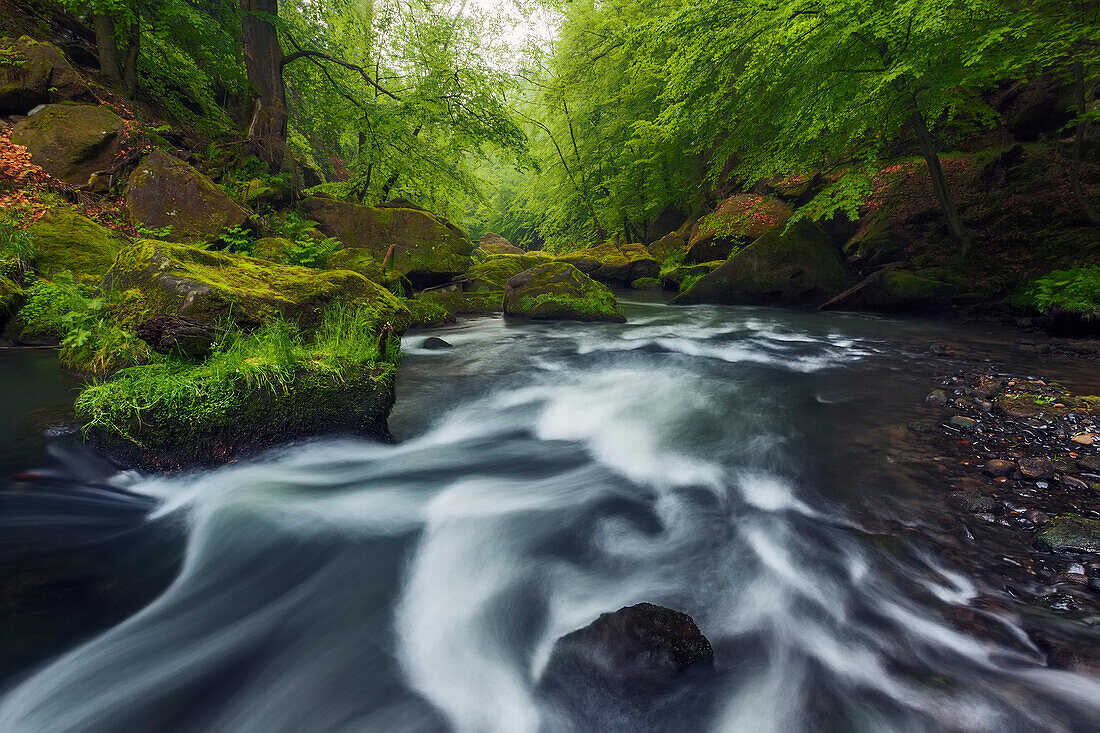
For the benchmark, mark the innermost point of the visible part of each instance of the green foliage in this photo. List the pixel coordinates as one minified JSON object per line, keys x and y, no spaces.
{"x":305,"y":249}
{"x":1074,"y":291}
{"x":12,"y":57}
{"x":272,"y":360}
{"x":52,"y":308}
{"x":17,"y":248}
{"x":236,"y":239}
{"x":144,"y":232}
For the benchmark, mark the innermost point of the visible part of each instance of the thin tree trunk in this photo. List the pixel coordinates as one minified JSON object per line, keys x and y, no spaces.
{"x":264,"y":62}
{"x":133,"y":50}
{"x":955,"y":224}
{"x":1089,"y":210}
{"x":110,"y":62}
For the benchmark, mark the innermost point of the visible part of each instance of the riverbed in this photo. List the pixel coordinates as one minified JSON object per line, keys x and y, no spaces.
{"x":741,"y":465}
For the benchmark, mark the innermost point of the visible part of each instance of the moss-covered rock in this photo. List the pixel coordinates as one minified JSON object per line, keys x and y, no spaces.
{"x":738,"y":221}
{"x":427,"y":249}
{"x":272,"y":249}
{"x":66,"y":241}
{"x":1069,"y":533}
{"x":560,"y":291}
{"x":877,"y":242}
{"x":210,"y":286}
{"x":359,"y":260}
{"x":615,"y":264}
{"x":72,"y":142}
{"x":166,"y":194}
{"x":457,"y":302}
{"x":37,"y":73}
{"x":494,"y":244}
{"x":496,"y":271}
{"x":672,"y":245}
{"x":908,"y":291}
{"x":255,"y":391}
{"x":799,"y":267}
{"x":673,"y":278}
{"x":646,"y":283}
{"x":426,"y":313}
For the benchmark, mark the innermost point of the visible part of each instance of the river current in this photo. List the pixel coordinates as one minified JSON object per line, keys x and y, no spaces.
{"x":735,"y":464}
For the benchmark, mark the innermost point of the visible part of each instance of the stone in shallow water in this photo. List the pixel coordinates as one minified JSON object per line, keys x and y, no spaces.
{"x":1069,"y":533}
{"x":974,"y":502}
{"x":434,"y":342}
{"x":643,"y":646}
{"x":1037,"y":467}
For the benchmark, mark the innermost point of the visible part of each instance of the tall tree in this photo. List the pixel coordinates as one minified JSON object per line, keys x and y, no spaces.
{"x":264,"y":59}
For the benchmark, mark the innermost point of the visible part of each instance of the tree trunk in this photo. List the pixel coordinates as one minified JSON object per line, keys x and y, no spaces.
{"x":133,"y":50}
{"x":1079,"y":147}
{"x":110,"y":62}
{"x":955,"y":224}
{"x":264,"y":62}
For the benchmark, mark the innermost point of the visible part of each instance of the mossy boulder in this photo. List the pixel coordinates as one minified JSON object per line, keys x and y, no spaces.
{"x":272,"y":249}
{"x":495,"y":272}
{"x":875,"y":243}
{"x":427,"y":249}
{"x":361,"y":261}
{"x":796,"y":267}
{"x":164,"y":193}
{"x":906,"y":290}
{"x":66,"y":241}
{"x":737,"y":222}
{"x":72,"y":142}
{"x":646,"y":283}
{"x":426,"y":313}
{"x":559,"y":291}
{"x":673,"y":278}
{"x":1069,"y":533}
{"x":615,"y":264}
{"x":37,"y":73}
{"x":210,"y":287}
{"x":494,"y":244}
{"x":457,"y":302}
{"x":672,"y":245}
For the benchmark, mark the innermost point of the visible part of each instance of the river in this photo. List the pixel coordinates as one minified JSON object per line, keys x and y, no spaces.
{"x":740,"y":465}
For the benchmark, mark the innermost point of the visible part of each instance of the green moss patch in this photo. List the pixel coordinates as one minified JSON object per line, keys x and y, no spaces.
{"x":559,"y":291}
{"x":67,"y":242}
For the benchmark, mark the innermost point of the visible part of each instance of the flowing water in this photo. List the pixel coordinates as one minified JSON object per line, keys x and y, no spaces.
{"x":734,"y":464}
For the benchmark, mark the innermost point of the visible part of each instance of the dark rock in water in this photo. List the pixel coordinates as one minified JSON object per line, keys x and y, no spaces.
{"x":643,"y":646}
{"x":182,"y":335}
{"x":974,"y":502}
{"x":1089,"y":463}
{"x":1069,"y":533}
{"x":962,"y":421}
{"x":435,"y":342}
{"x":998,"y":467}
{"x":1037,"y":468}
{"x":936,"y":397}
{"x":1037,"y":517}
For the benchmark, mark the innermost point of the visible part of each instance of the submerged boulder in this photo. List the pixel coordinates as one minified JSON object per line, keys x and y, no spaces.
{"x":164,"y":193}
{"x":494,"y":244}
{"x":557,"y":290}
{"x":637,"y":648}
{"x":208,"y":287}
{"x":37,"y":73}
{"x":738,"y":221}
{"x":798,"y":267}
{"x":72,"y":142}
{"x":426,"y":249}
{"x":612,"y":263}
{"x":66,"y":241}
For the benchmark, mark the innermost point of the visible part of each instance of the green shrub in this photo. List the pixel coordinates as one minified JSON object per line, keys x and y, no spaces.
{"x":1073,"y":291}
{"x":51,"y":308}
{"x":17,"y":248}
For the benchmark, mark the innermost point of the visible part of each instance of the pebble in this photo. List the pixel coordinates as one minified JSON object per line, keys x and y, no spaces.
{"x":999,"y":467}
{"x":974,"y":502}
{"x":1074,"y":483}
{"x":936,"y":397}
{"x":1075,"y":578}
{"x":1036,"y":517}
{"x":964,"y":422}
{"x":1084,"y":439}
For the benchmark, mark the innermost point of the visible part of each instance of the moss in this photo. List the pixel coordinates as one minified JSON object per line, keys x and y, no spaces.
{"x":609,"y":262}
{"x":11,"y":299}
{"x":65,"y":241}
{"x":798,"y":267}
{"x":669,"y":250}
{"x":358,"y":260}
{"x":646,"y":283}
{"x":253,"y":391}
{"x":456,"y":302}
{"x":98,"y":347}
{"x":498,"y":270}
{"x":557,"y":290}
{"x":211,"y":286}
{"x":1069,"y":533}
{"x":44,"y":316}
{"x":428,"y":313}
{"x":272,"y":249}
{"x":909,"y":290}
{"x":72,"y":142}
{"x":680,"y":277}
